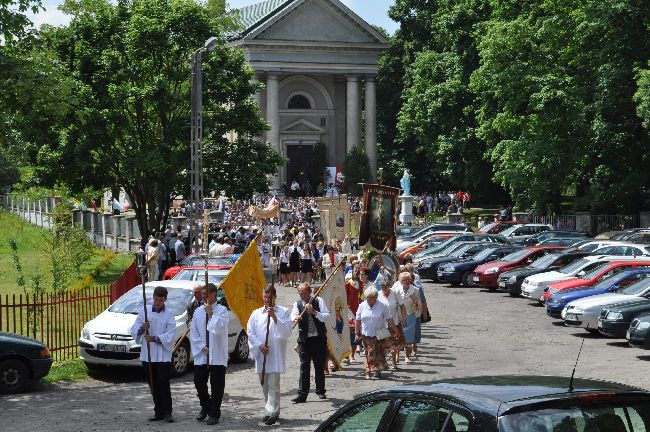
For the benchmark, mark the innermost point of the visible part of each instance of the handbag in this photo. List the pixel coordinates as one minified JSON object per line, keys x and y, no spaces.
{"x":428,"y":318}
{"x":383,"y":333}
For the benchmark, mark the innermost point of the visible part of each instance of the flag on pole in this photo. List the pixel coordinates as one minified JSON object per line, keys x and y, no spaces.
{"x":338,"y":332}
{"x":244,"y":285}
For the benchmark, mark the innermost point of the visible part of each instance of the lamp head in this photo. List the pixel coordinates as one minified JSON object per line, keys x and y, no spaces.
{"x":211,"y":44}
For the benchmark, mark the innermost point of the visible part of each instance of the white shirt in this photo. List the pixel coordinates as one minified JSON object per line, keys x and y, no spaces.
{"x":392,"y":302}
{"x":218,"y":249}
{"x":284,"y":257}
{"x":372,"y":318}
{"x":327,"y":264}
{"x":321,"y":315}
{"x":279,"y":332}
{"x":218,"y":329}
{"x":163,"y":325}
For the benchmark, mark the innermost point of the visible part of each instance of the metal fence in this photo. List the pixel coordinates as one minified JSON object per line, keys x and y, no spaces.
{"x":594,"y":224}
{"x":56,"y":319}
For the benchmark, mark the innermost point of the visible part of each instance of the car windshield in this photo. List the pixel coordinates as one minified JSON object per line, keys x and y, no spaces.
{"x":544,"y":262}
{"x":131,"y":302}
{"x":487,"y":227}
{"x":595,"y":272}
{"x":461,"y":250}
{"x":509,"y":230}
{"x":581,"y":417}
{"x":199,"y":275}
{"x":194,"y":260}
{"x":574,"y":266}
{"x":484,"y":254}
{"x":637,"y":287}
{"x":515,"y":256}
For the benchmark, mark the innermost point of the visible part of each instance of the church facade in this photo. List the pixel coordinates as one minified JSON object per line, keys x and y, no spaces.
{"x":318,"y":62}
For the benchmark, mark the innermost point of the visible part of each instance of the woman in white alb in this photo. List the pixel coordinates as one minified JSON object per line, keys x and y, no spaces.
{"x":411,"y":297}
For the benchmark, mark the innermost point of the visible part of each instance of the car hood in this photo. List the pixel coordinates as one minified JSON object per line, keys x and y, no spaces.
{"x":20,"y":339}
{"x":550,"y":276}
{"x":490,"y":264}
{"x":112,"y":322}
{"x":402,"y":245}
{"x":462,"y":263}
{"x":578,"y":293}
{"x":601,"y":300}
{"x":639,"y":304}
{"x":571,"y":283}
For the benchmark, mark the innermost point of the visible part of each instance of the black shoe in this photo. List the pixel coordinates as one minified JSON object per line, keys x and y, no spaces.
{"x":271,"y":420}
{"x":156,"y":418}
{"x":299,"y":399}
{"x":265,"y":419}
{"x":202,"y":415}
{"x":169,"y":418}
{"x":212,"y":421}
{"x":322,"y":396}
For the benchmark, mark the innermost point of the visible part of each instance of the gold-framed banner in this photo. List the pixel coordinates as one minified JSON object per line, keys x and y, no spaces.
{"x":378,"y":217}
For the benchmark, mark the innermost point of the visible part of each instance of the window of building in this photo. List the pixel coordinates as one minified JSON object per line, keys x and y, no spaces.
{"x":299,"y":102}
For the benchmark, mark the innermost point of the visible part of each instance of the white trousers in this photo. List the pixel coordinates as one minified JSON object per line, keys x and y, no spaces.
{"x":271,"y":389}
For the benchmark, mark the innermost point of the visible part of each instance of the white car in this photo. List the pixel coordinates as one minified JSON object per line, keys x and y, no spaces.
{"x":196,"y":274}
{"x":624,"y":248}
{"x":524,"y":231}
{"x":106,"y":339}
{"x":585,"y":311}
{"x":597,"y":244}
{"x":533,"y":286}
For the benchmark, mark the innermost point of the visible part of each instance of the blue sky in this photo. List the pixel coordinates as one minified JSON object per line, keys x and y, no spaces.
{"x":373,"y":11}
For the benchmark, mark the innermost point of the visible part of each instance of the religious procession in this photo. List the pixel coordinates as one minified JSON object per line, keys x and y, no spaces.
{"x":353,"y":304}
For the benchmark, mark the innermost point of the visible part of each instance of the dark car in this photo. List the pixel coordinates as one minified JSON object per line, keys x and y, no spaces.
{"x":460,"y":271}
{"x":546,"y":235}
{"x":22,"y":361}
{"x":638,"y":335}
{"x":615,"y":320}
{"x":501,"y":403}
{"x":428,"y":268}
{"x":511,"y":281}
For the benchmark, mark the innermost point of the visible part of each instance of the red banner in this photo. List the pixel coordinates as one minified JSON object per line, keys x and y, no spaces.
{"x":378,"y":217}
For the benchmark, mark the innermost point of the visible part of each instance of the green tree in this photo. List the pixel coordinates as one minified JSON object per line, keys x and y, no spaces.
{"x":130,"y":122}
{"x":13,"y":20}
{"x":356,"y":169}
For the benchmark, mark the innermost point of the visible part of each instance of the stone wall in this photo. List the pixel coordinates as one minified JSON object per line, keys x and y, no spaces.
{"x":107,"y":231}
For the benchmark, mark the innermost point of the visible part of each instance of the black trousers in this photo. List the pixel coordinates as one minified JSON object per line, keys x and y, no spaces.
{"x":161,"y":392}
{"x":217,"y":375}
{"x":314,"y":350}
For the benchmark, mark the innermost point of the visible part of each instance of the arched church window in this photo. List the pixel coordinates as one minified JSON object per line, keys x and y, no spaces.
{"x":299,"y":102}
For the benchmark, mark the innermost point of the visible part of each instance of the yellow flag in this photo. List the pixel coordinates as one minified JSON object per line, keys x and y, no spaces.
{"x":244,"y":285}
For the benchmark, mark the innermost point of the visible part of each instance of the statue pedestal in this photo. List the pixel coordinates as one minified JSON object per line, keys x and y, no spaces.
{"x":406,"y":216}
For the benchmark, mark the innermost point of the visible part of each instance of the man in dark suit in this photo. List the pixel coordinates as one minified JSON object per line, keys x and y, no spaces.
{"x":312,"y":340}
{"x":197,"y":301}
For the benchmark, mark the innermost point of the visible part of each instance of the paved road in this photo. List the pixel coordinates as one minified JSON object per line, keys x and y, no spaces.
{"x":473,"y":332}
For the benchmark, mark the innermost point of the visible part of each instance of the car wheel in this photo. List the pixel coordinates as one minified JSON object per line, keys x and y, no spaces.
{"x":181,"y":359}
{"x":14,"y":376}
{"x":514,"y":294}
{"x":240,"y":355}
{"x":466,"y":278}
{"x":592,"y":331}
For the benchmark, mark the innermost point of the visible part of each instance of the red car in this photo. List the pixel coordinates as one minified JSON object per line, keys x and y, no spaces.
{"x":596,"y":275}
{"x":487,"y":275}
{"x":217,"y":263}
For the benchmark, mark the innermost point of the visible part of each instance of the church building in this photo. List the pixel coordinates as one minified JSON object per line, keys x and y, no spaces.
{"x":318,"y":61}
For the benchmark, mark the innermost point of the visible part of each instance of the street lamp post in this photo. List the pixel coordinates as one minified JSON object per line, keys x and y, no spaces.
{"x":196,"y":138}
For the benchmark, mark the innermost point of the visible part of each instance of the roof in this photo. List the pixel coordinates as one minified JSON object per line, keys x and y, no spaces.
{"x":253,"y":15}
{"x":488,"y":393}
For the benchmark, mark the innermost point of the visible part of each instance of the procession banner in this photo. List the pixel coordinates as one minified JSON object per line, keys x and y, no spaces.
{"x":378,"y":216}
{"x":338,"y":333}
{"x":266,"y":212}
{"x":244,"y":285}
{"x":335,"y":216}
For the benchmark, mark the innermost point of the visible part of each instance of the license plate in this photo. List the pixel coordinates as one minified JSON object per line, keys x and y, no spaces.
{"x":439,"y":272}
{"x":476,"y":279}
{"x":627,"y":335}
{"x":541,"y":298}
{"x":502,"y":284}
{"x":600,"y":324}
{"x":571,"y":317}
{"x":112,"y":348}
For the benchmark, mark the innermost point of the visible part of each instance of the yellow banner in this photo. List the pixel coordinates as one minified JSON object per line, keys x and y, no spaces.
{"x":244,"y":285}
{"x":338,"y":332}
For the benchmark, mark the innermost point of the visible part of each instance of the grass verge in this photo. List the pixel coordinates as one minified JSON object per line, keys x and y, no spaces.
{"x":70,"y":370}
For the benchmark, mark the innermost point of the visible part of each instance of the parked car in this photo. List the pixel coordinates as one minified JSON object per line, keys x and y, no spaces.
{"x":497,"y":227}
{"x":494,"y":238}
{"x":197,"y":274}
{"x":585,"y":311}
{"x":487,"y":275}
{"x":497,"y":403}
{"x":461,"y":271}
{"x":23,"y":360}
{"x":638,"y":335}
{"x":220,"y":262}
{"x":557,"y":301}
{"x":432,"y":240}
{"x":533,"y":286}
{"x":559,"y":241}
{"x":428,"y":268}
{"x":641,"y":237}
{"x":413,"y":239}
{"x":511,"y":281}
{"x":615,"y":320}
{"x":550,"y":234}
{"x":604,"y":271}
{"x":623,"y":249}
{"x":592,"y":245}
{"x":522,"y":232}
{"x":106,"y":339}
{"x":624,"y":235}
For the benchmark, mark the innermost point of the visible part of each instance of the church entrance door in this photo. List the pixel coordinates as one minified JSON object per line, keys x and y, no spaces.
{"x":300,"y":156}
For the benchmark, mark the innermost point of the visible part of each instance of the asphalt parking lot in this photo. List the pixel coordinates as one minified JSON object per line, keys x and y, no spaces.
{"x":473,"y":332}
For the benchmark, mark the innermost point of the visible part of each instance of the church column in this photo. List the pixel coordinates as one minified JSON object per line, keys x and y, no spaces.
{"x":273,"y":117}
{"x":371,"y":125}
{"x":353,"y":114}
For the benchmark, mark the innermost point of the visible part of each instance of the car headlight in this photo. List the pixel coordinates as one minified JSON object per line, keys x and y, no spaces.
{"x":512,"y":279}
{"x":492,"y":270}
{"x":614,"y":316}
{"x":85,"y":333}
{"x":643,"y":325}
{"x":576,"y":310}
{"x":451,"y":269}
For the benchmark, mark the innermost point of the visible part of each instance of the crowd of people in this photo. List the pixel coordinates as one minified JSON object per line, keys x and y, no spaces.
{"x":441,"y":202}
